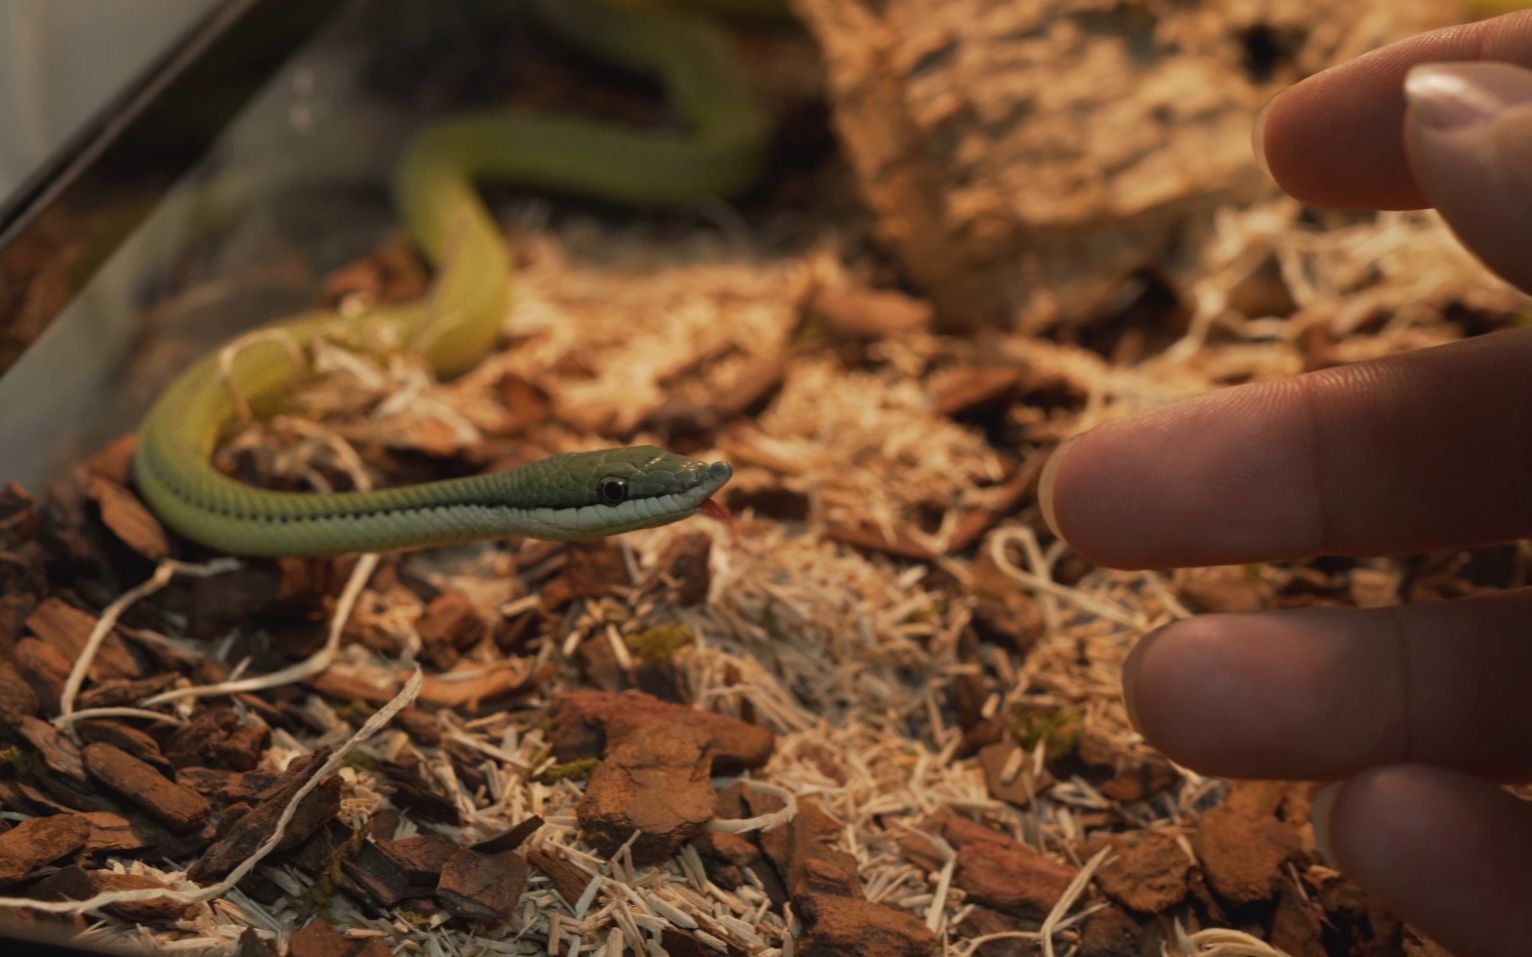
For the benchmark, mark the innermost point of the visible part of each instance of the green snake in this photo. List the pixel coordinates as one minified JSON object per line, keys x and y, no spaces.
{"x":567,"y":496}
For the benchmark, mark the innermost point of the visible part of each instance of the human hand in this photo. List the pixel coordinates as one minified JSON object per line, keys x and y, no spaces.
{"x":1417,"y":711}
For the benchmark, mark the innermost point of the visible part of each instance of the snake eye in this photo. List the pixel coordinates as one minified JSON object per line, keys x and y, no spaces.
{"x":612,"y":490}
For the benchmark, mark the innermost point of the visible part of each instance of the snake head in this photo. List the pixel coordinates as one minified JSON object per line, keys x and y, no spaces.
{"x":580,"y":495}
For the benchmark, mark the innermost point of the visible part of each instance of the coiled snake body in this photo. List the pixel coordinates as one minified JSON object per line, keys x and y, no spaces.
{"x":568,"y":496}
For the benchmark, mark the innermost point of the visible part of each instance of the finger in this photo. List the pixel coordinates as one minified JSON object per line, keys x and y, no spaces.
{"x":1319,"y":694}
{"x":1432,"y":449}
{"x":1336,"y":139}
{"x":1468,"y":136}
{"x":1450,"y":854}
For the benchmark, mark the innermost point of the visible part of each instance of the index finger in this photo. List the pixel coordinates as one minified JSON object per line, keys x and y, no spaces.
{"x":1426,"y":450}
{"x":1336,"y":139}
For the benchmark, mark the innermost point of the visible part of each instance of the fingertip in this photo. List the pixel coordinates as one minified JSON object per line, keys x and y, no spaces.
{"x":1468,"y":135}
{"x":1258,"y":135}
{"x":1130,"y":671}
{"x":1320,"y":813}
{"x":1447,"y":851}
{"x":1046,"y":485}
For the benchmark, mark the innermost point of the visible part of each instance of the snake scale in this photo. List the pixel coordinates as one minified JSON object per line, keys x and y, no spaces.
{"x":566,"y":496}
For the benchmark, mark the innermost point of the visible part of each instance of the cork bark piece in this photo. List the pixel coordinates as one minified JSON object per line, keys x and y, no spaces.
{"x":1022,"y":159}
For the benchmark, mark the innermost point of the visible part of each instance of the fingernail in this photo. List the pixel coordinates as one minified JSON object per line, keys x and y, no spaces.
{"x":1130,"y":667}
{"x":1045,"y":484}
{"x":1319,"y":815}
{"x":1258,"y":135}
{"x":1454,"y":96}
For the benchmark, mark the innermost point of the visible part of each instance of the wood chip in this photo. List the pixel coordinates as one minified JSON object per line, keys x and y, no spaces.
{"x":75,"y":883}
{"x":1146,"y":872}
{"x":112,"y":833}
{"x":1111,"y":933}
{"x":512,"y":839}
{"x":319,"y":939}
{"x":129,"y":520}
{"x":567,"y":877}
{"x":1243,"y":855}
{"x":38,"y":841}
{"x":241,"y":840}
{"x":838,"y":926}
{"x":654,"y":781}
{"x":483,"y":888}
{"x":1001,"y":872}
{"x":57,"y":750}
{"x":448,"y":627}
{"x":587,"y":723}
{"x":857,"y":312}
{"x":219,"y":738}
{"x":177,"y":807}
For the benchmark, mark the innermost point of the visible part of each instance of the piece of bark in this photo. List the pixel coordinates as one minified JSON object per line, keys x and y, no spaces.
{"x":448,"y":627}
{"x":860,"y":313}
{"x":837,"y":926}
{"x":415,"y":792}
{"x":122,"y":735}
{"x":250,"y":831}
{"x":252,"y":944}
{"x":687,"y":424}
{"x":568,"y":879}
{"x":588,"y":723}
{"x":58,"y":752}
{"x":450,"y":691}
{"x":675,"y":942}
{"x":38,"y":841}
{"x":219,"y":738}
{"x":527,"y":405}
{"x":319,"y":939}
{"x":654,"y":781}
{"x":17,"y":697}
{"x":685,"y":563}
{"x":768,"y":500}
{"x":802,"y":851}
{"x":999,"y":502}
{"x":66,"y":628}
{"x":1297,"y":924}
{"x":982,"y":922}
{"x":76,"y":883}
{"x":112,"y":833}
{"x":377,"y":875}
{"x":18,"y":516}
{"x":346,"y":689}
{"x":124,"y":692}
{"x":128,"y":519}
{"x":233,"y":787}
{"x":1002,"y":613}
{"x":592,"y":569}
{"x":176,"y":806}
{"x":999,"y":871}
{"x":1019,"y":787}
{"x":510,"y":839}
{"x":964,"y":391}
{"x":895,"y":541}
{"x":391,"y":871}
{"x":423,"y":726}
{"x":45,"y":669}
{"x":1243,"y":855}
{"x":483,"y":888}
{"x":1110,"y":933}
{"x":1146,"y":872}
{"x":1140,"y":777}
{"x":939,"y":103}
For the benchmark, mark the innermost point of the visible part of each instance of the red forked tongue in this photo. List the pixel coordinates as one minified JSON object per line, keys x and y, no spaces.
{"x":712,"y":509}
